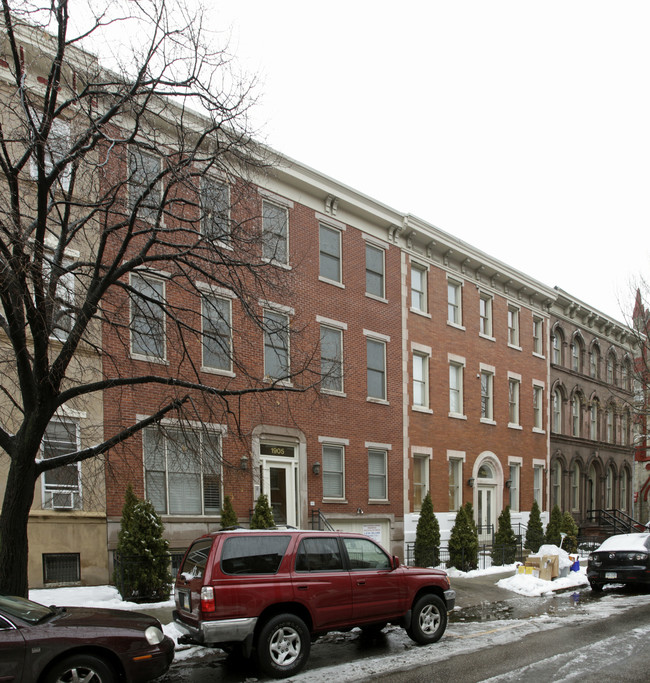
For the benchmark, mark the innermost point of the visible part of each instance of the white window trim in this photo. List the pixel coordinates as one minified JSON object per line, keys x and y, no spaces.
{"x":383,"y":247}
{"x":286,"y":206}
{"x":489,"y":299}
{"x":423,"y":352}
{"x":489,"y":369}
{"x":537,"y":318}
{"x":337,"y":327}
{"x":385,"y":449}
{"x":459,"y":284}
{"x":539,"y":384}
{"x":322,"y":278}
{"x":459,"y":362}
{"x":280,"y":310}
{"x":383,"y":339}
{"x":160,"y":277}
{"x":207,"y":368}
{"x":70,"y":418}
{"x":515,"y":377}
{"x":275,"y":198}
{"x":424,"y":268}
{"x":513,"y":308}
{"x":338,"y":443}
{"x":330,"y":322}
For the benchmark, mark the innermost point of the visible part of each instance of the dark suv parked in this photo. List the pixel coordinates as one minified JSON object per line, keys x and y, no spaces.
{"x":273,"y":592}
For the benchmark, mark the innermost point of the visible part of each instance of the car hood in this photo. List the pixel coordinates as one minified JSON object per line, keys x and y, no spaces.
{"x":427,"y":571}
{"x":109,"y":618}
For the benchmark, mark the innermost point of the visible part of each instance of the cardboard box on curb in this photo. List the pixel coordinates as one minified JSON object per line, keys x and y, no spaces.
{"x":546,"y":567}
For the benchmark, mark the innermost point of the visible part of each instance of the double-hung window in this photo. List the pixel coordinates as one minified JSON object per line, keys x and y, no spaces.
{"x":375,"y":271}
{"x":455,"y":483}
{"x":377,"y":475}
{"x":376,"y":368}
{"x":513,"y":326}
{"x":276,"y":345}
{"x":331,"y":358}
{"x":57,"y":146}
{"x":420,"y":379}
{"x":514,"y":471}
{"x":538,"y":336}
{"x":456,"y":388}
{"x":215,"y":209}
{"x":454,"y":303}
{"x":576,"y":415}
{"x":418,"y":288}
{"x":182,"y":471}
{"x":557,"y":411}
{"x":217,"y":332}
{"x":487,"y":395}
{"x":145,"y":188}
{"x":485,"y":315}
{"x":514,"y":385}
{"x":329,"y":253}
{"x":275,"y":232}
{"x":147,"y":317}
{"x":420,"y":480}
{"x":538,"y":485}
{"x":61,"y":486}
{"x":333,"y":471}
{"x":538,"y":407}
{"x":64,"y":298}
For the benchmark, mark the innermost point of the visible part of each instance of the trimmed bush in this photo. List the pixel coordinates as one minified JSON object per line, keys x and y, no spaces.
{"x":505,"y":541}
{"x":570,"y":528}
{"x":463,"y":541}
{"x":228,"y":515}
{"x":262,"y":515}
{"x":142,"y":568}
{"x":427,"y":536}
{"x":535,"y":529}
{"x":552,"y":536}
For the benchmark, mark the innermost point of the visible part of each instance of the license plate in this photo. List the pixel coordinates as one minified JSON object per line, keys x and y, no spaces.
{"x":184,"y":600}
{"x":610,"y":575}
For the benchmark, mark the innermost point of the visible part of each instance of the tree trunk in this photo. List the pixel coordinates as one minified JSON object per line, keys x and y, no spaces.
{"x":18,"y":498}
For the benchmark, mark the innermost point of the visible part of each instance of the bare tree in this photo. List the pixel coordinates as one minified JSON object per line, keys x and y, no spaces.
{"x":125,"y":194}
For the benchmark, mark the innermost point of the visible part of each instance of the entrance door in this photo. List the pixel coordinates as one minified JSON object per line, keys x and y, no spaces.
{"x":279,"y":483}
{"x":485,"y":511}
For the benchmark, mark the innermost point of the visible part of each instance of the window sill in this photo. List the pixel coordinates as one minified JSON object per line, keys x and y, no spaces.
{"x":331,"y":501}
{"x":458,"y":326}
{"x":422,"y":409}
{"x":417,"y":311}
{"x":488,"y":421}
{"x":537,"y":430}
{"x":378,"y":501}
{"x":327,"y":281}
{"x":514,"y":425}
{"x":514,"y":346}
{"x":279,"y":264}
{"x":539,"y":355}
{"x":217,"y":371}
{"x":333,"y":392}
{"x":374,"y":297}
{"x":149,"y":359}
{"x":457,"y":416}
{"x":487,"y":336}
{"x":379,"y":401}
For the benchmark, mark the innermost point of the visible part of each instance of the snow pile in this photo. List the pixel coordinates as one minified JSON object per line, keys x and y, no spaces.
{"x":564,"y":560}
{"x":494,"y":569}
{"x":91,"y":596}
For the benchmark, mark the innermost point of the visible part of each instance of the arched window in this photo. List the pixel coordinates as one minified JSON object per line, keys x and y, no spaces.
{"x":557,"y":411}
{"x":609,"y":488}
{"x":575,"y":487}
{"x":611,"y":431}
{"x":611,"y":368}
{"x":593,"y":420}
{"x":623,"y":487}
{"x":626,"y":375}
{"x":556,"y":484}
{"x":625,"y":428}
{"x":576,"y":411}
{"x":576,"y":354}
{"x":592,"y":483}
{"x":594,"y":361}
{"x":558,"y":340}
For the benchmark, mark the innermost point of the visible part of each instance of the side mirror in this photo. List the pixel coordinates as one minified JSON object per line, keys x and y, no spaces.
{"x":395,"y":562}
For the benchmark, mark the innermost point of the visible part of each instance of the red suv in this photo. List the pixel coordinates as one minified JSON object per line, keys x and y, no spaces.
{"x":273,"y":592}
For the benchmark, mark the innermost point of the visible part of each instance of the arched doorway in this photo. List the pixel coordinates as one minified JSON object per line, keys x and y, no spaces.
{"x":486,"y":500}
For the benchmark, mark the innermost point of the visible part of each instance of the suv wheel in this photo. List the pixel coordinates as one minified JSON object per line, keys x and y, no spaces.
{"x":428,"y":621}
{"x":283,"y":645}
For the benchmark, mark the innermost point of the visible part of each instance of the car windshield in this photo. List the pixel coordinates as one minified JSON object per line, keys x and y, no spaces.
{"x":28,"y":611}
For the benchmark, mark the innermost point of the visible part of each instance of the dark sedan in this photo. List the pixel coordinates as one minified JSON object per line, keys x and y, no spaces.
{"x":624,"y":558}
{"x":62,"y":644}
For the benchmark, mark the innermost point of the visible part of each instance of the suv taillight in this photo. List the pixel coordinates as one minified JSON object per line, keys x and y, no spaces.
{"x":207,"y":599}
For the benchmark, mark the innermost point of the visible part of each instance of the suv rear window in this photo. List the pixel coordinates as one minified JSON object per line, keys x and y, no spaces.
{"x":253,"y":554}
{"x":196,"y":559}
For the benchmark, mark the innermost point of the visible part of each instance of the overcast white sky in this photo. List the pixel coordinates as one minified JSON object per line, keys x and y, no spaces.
{"x":521,"y":127}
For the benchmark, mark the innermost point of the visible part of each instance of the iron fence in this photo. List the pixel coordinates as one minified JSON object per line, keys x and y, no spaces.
{"x":488,"y":555}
